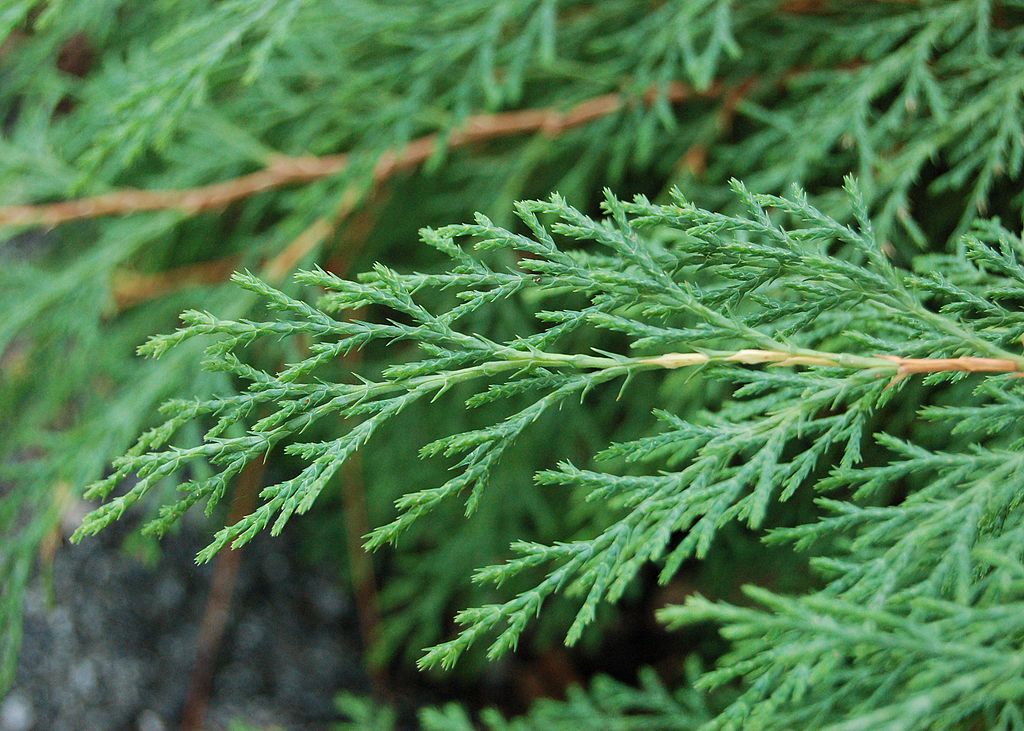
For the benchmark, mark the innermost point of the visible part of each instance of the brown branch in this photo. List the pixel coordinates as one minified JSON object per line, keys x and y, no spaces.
{"x":283,"y":170}
{"x":355,"y":514}
{"x":132,"y":288}
{"x":218,"y":607}
{"x":356,"y":523}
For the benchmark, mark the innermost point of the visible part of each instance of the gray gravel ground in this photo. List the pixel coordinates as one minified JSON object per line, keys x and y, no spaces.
{"x":113,"y":644}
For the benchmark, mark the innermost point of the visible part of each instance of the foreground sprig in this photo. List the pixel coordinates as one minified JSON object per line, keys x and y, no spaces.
{"x":802,"y":316}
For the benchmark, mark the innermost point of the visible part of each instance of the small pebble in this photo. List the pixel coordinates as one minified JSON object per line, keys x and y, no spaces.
{"x":150,"y":721}
{"x":83,"y":677}
{"x":16,"y":713}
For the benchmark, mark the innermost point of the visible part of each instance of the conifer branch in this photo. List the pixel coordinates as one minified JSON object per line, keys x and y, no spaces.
{"x":284,"y":170}
{"x":133,"y":288}
{"x":734,"y":353}
{"x":768,"y":298}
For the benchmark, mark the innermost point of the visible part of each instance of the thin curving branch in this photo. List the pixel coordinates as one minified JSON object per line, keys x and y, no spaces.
{"x":283,"y":170}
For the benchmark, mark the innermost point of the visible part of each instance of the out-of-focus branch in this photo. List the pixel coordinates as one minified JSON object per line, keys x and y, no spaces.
{"x":218,"y":608}
{"x":133,"y":288}
{"x":283,"y":171}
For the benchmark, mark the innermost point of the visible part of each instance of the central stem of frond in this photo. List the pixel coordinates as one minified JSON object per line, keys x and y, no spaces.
{"x":900,"y":366}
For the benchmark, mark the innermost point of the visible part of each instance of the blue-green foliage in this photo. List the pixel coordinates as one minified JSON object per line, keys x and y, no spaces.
{"x":761,"y":325}
{"x":780,"y":284}
{"x":605,"y":704}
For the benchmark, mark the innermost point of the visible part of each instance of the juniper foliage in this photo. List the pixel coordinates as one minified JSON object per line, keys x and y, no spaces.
{"x":738,"y":292}
{"x":606,"y":703}
{"x":679,"y":372}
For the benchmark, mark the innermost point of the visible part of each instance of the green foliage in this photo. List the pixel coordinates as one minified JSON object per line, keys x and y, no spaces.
{"x":598,"y":386}
{"x":662,"y":276}
{"x":606,"y":704}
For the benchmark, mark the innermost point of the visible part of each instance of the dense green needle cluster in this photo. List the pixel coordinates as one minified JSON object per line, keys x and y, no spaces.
{"x":804,"y":317}
{"x":605,"y":704}
{"x":692,"y":383}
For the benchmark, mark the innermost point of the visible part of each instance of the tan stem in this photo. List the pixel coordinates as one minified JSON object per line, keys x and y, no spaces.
{"x":888,"y":363}
{"x":966,"y":364}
